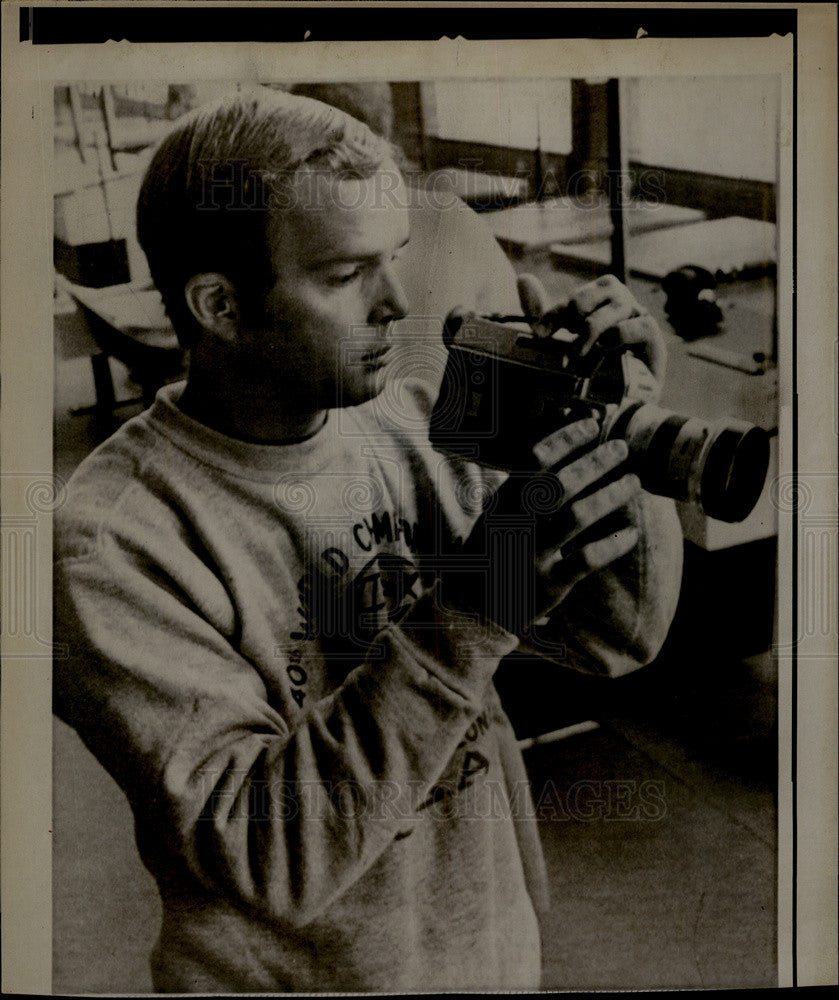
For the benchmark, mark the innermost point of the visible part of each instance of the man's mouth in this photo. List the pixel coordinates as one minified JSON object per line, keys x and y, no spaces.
{"x":378,"y":356}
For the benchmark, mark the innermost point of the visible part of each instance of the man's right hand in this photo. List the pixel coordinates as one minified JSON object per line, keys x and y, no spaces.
{"x":542,"y":534}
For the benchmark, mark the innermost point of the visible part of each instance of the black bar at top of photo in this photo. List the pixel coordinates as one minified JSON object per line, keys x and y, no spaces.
{"x":78,"y":25}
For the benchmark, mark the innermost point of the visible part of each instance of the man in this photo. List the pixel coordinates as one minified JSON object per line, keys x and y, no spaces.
{"x":282,"y":636}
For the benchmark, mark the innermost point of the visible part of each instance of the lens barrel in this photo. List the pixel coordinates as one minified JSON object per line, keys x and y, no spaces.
{"x":719,"y":465}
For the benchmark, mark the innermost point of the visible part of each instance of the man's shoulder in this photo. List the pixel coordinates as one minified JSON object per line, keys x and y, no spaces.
{"x":111,"y":489}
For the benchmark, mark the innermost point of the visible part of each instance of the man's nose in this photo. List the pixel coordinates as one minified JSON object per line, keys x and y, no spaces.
{"x":391,"y":303}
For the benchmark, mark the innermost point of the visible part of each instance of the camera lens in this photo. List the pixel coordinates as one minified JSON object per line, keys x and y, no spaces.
{"x":734,"y":472}
{"x":719,"y":465}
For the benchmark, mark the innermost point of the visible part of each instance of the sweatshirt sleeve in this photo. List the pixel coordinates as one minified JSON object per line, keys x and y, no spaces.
{"x":280,"y":815}
{"x":616,"y":620}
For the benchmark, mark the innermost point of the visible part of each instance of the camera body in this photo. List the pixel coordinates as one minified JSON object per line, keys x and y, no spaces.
{"x":504,"y":389}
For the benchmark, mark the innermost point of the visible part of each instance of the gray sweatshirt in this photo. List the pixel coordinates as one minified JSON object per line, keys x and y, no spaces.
{"x":323,"y":780}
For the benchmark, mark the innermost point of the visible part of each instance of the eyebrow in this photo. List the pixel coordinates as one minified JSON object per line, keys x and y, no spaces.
{"x":353,"y":258}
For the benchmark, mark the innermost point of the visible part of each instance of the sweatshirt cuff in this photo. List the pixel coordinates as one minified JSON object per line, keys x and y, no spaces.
{"x":458,"y":647}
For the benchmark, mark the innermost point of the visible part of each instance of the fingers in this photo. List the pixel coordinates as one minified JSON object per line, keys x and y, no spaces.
{"x":564,"y":571}
{"x":609,"y":316}
{"x":582,"y":523}
{"x":644,"y":333}
{"x":605,"y":306}
{"x":606,"y":289}
{"x":532,"y":294}
{"x":566,"y":442}
{"x":583,"y":303}
{"x":592,"y":509}
{"x":565,"y":490}
{"x":576,"y":477}
{"x":556,"y":319}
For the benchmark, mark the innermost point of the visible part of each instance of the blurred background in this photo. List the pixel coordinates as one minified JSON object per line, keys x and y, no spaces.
{"x":670,"y":183}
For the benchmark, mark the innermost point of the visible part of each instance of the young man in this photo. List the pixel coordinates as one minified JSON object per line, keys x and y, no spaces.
{"x":281,"y":636}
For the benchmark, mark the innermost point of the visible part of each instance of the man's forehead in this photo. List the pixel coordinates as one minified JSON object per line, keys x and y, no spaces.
{"x":332,"y":213}
{"x":351,"y":187}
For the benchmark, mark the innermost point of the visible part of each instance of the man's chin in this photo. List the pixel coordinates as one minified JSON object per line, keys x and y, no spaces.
{"x":363,"y":391}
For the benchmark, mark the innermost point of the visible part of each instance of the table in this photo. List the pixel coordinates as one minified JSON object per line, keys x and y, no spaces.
{"x":537,"y":225}
{"x":725,"y":247}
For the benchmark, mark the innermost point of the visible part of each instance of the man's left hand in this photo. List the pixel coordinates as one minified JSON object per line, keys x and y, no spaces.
{"x":608,"y":312}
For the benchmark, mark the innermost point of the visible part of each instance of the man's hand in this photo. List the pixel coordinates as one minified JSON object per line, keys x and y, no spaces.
{"x":542,"y":534}
{"x":608,"y":312}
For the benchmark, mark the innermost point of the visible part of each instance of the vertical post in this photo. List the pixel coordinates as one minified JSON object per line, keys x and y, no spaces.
{"x":430,"y":129}
{"x":77,"y":116}
{"x":538,"y":172}
{"x":618,"y":179}
{"x":106,"y":104}
{"x":581,"y":152}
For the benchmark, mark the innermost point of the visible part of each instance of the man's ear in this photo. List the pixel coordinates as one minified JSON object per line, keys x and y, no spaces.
{"x":211,"y":298}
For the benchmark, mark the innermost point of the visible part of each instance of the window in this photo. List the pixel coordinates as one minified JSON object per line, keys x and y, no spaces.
{"x":505,"y":113}
{"x":714,"y":125}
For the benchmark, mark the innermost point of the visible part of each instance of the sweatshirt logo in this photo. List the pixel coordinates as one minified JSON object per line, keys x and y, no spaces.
{"x":337,"y":608}
{"x":472,"y":764}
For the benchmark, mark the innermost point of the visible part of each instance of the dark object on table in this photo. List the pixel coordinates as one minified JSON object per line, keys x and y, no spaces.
{"x":691,"y":302}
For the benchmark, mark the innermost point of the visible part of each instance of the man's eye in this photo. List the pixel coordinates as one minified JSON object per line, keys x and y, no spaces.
{"x":345,"y":277}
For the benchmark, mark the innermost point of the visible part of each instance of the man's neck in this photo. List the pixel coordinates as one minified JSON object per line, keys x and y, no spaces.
{"x":252,"y":414}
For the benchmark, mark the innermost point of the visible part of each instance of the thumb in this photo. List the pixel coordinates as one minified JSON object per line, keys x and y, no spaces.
{"x":534,"y":298}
